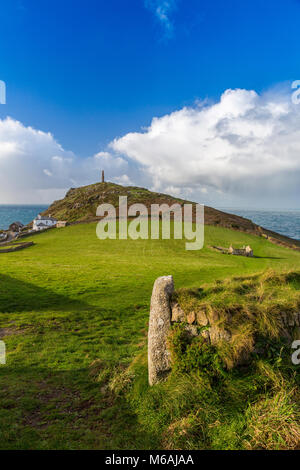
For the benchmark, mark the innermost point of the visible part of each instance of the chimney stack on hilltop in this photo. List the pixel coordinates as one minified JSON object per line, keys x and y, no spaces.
{"x":103,"y":180}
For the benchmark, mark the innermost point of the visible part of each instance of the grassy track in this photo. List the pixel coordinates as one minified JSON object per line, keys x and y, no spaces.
{"x":72,"y":308}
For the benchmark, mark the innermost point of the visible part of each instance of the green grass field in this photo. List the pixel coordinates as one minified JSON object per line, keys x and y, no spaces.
{"x":74,"y":312}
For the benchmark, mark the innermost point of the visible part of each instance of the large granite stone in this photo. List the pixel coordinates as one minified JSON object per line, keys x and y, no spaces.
{"x":159,"y":360}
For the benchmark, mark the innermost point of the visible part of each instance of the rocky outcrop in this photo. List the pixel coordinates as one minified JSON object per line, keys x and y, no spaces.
{"x":159,"y":363}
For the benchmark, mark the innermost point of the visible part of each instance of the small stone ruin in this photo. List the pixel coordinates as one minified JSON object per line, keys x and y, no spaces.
{"x":245,"y":251}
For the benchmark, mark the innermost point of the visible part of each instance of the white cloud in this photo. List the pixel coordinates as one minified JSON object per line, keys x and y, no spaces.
{"x":163,"y":10}
{"x":35,"y":168}
{"x":123,"y":180}
{"x":246,"y":145}
{"x":242,"y":150}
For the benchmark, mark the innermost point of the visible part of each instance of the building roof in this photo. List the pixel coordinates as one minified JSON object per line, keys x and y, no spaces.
{"x":42,"y":217}
{"x":17,"y":223}
{"x":16,"y":227}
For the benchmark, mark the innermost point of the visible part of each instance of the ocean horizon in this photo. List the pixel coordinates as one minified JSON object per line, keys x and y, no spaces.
{"x":285,"y":222}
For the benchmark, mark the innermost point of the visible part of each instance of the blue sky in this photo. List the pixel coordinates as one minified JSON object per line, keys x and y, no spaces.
{"x":93,"y":71}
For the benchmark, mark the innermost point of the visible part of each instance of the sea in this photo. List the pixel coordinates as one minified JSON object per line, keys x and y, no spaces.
{"x":285,"y":222}
{"x":18,"y":213}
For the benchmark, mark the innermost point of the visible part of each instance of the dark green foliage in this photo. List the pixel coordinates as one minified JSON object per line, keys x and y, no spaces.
{"x":193,"y":353}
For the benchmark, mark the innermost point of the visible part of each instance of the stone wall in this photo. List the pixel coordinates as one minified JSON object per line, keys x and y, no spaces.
{"x":165,"y":311}
{"x":16,"y":247}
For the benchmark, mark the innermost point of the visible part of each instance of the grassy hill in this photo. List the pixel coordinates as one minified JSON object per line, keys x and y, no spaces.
{"x":80,"y":205}
{"x":73,"y":315}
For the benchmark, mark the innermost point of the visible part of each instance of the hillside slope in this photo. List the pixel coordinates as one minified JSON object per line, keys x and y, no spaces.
{"x":80,"y":205}
{"x":74,"y":314}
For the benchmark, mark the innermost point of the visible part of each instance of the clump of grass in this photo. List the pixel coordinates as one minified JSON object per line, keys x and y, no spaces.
{"x":176,"y":413}
{"x":273,"y":423}
{"x":121,"y":380}
{"x":182,"y":433}
{"x":240,"y":346}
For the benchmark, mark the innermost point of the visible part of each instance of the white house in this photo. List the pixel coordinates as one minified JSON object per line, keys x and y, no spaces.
{"x":43,"y":222}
